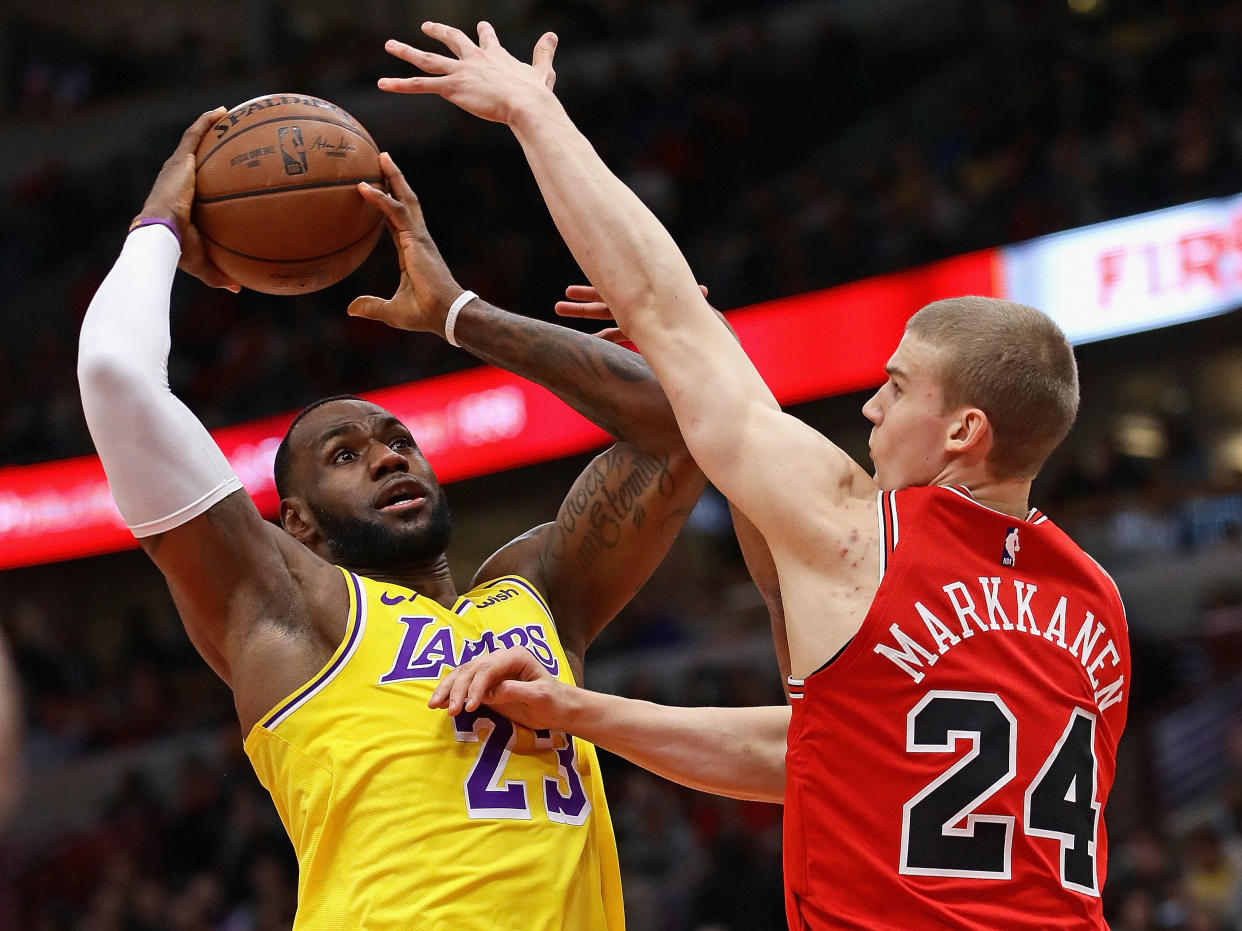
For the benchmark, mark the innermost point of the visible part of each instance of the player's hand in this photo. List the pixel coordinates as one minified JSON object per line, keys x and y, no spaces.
{"x":482,"y":79}
{"x":510,"y":681}
{"x":427,"y":287}
{"x":172,"y":197}
{"x":585,"y":303}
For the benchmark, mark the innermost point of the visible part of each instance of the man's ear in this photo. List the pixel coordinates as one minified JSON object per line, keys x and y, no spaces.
{"x":299,"y":523}
{"x":970,"y":434}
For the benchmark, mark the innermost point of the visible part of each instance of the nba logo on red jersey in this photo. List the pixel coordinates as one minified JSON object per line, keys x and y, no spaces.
{"x":1010,"y":556}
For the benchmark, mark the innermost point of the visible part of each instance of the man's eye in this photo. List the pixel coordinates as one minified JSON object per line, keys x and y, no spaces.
{"x":343,"y":455}
{"x":402,"y":442}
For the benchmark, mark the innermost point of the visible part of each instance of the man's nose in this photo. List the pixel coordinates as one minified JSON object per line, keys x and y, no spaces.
{"x":386,"y":459}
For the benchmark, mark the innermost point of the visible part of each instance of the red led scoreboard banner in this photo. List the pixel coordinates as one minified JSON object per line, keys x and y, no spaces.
{"x":484,"y":420}
{"x":1126,"y":275}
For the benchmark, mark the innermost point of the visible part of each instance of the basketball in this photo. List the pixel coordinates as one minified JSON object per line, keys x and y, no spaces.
{"x":275,"y":194}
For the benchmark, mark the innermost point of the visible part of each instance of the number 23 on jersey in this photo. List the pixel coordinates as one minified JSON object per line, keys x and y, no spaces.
{"x":489,"y":795}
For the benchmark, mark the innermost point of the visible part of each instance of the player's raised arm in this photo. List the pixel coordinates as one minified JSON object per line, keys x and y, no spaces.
{"x":624,"y":511}
{"x":773,"y":466}
{"x":738,"y":752}
{"x":227,"y":568}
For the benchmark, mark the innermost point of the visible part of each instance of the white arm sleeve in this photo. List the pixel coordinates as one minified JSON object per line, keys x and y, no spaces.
{"x":162,"y":465}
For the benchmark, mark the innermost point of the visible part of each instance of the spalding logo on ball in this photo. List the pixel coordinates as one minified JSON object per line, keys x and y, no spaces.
{"x":276,"y":197}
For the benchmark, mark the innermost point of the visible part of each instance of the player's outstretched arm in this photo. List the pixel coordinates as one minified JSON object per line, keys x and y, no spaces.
{"x":226,"y":567}
{"x":625,"y":510}
{"x":738,"y":752}
{"x":774,"y":467}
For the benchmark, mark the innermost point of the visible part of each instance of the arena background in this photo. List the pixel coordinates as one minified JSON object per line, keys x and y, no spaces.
{"x":789,"y":146}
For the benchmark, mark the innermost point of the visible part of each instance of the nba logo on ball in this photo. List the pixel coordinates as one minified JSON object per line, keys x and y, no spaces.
{"x":1010,"y":555}
{"x":292,"y":149}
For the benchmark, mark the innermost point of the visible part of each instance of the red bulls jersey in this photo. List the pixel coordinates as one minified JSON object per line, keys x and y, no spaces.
{"x":948,"y":769}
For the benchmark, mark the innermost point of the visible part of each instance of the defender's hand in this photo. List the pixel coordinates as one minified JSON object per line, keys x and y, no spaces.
{"x":483,"y":79}
{"x":510,"y":681}
{"x":427,"y":288}
{"x":585,"y":303}
{"x":172,"y":197}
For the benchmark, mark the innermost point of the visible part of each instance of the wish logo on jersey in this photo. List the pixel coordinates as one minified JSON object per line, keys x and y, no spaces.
{"x":426,"y":652}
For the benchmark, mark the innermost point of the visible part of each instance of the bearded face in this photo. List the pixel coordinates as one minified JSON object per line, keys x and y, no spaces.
{"x":372,"y":496}
{"x":362,"y":540}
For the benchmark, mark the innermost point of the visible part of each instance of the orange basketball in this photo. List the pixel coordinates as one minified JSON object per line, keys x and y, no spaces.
{"x":275,"y":194}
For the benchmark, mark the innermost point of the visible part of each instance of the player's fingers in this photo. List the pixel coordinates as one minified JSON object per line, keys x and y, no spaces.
{"x":221,"y":280}
{"x":490,"y":672}
{"x":439,"y":695}
{"x":541,"y":59}
{"x":395,"y":216}
{"x":582,"y":292}
{"x":397,"y":183}
{"x":194,"y":261}
{"x":395,"y":211}
{"x":584,"y":310}
{"x":411,"y":85}
{"x":458,"y":42}
{"x":459,"y":691}
{"x":368,"y":306}
{"x":426,"y":61}
{"x":214,"y":278}
{"x":487,"y":35}
{"x":480,"y":686}
{"x":195,"y":131}
{"x":589,"y":293}
{"x":613,"y":334}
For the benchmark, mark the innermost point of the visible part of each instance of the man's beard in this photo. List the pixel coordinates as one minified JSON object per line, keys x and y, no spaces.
{"x":366,"y":544}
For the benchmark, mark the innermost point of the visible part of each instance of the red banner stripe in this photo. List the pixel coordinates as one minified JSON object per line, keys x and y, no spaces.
{"x":484,"y":420}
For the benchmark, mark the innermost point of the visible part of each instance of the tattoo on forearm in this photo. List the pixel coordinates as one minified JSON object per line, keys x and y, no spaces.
{"x":608,"y":498}
{"x":595,"y":377}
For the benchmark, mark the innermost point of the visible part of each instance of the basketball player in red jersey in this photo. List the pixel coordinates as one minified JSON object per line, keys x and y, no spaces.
{"x":959,"y":667}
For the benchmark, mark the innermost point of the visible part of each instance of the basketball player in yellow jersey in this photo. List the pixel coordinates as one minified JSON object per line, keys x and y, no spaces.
{"x":333,"y":628}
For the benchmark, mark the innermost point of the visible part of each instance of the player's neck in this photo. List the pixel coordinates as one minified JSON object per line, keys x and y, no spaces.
{"x":1009,"y":496}
{"x":431,"y":580}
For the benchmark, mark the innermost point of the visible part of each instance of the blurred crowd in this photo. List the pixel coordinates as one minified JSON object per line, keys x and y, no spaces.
{"x":782,"y":157}
{"x":787,"y":149}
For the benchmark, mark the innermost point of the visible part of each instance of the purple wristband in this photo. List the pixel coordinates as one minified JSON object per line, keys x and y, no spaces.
{"x":155,"y":221}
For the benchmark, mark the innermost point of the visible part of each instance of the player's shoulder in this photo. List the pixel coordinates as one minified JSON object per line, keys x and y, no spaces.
{"x":523,"y":557}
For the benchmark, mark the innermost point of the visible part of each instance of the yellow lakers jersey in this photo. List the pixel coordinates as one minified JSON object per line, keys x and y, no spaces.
{"x":404,"y":817}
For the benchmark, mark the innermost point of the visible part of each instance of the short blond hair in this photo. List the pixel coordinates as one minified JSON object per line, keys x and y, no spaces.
{"x":1012,"y":362}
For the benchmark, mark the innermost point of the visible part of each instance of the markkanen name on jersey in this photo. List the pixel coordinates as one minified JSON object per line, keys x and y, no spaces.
{"x":913,"y":657}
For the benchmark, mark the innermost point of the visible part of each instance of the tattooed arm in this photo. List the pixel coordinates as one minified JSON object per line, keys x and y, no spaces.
{"x":626,"y":508}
